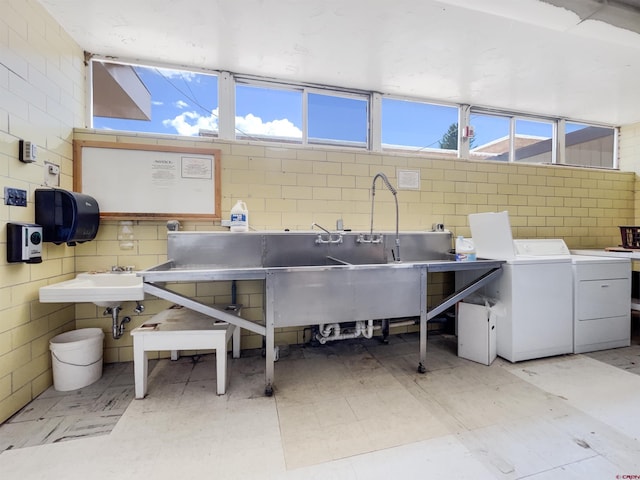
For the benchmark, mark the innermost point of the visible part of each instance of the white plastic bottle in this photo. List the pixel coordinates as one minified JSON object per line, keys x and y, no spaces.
{"x":239,"y":217}
{"x":465,"y":249}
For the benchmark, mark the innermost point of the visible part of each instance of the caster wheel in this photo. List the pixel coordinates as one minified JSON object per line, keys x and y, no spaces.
{"x":268,"y":391}
{"x":421,"y":369}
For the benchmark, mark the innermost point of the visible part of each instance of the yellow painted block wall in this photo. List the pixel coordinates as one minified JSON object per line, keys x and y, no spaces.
{"x":291,"y":187}
{"x":630,"y":159}
{"x":42,"y":91}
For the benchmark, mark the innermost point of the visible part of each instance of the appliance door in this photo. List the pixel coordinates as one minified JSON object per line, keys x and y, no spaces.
{"x":537,"y":319}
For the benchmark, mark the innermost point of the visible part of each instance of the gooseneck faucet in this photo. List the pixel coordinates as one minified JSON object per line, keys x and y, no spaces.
{"x":386,"y":181}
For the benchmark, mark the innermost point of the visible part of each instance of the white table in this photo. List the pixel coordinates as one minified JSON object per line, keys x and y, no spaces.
{"x":179,"y":328}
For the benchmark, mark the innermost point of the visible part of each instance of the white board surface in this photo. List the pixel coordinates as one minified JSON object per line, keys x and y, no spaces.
{"x":135,"y":180}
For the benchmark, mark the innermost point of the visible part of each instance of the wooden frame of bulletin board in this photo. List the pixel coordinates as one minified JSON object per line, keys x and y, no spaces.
{"x":133,"y":181}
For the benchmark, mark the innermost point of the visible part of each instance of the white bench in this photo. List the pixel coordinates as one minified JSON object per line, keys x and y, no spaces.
{"x":179,"y":328}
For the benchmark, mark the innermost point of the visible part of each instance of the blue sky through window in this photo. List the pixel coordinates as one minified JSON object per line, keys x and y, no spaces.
{"x":415,"y":124}
{"x":268,"y":111}
{"x":337,"y":118}
{"x":186,"y":103}
{"x":181,"y":103}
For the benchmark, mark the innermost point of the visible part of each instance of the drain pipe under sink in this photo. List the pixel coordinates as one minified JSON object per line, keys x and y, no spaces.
{"x":363,"y":328}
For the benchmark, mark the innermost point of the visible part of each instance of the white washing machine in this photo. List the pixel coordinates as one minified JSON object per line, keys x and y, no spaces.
{"x":602,"y":303}
{"x":534,"y":292}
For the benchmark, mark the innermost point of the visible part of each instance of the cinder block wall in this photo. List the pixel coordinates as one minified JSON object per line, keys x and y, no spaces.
{"x":291,"y":187}
{"x":42,"y":99}
{"x":629,"y":152}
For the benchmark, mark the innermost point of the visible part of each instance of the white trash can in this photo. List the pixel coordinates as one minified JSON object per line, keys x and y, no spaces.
{"x":76,"y":358}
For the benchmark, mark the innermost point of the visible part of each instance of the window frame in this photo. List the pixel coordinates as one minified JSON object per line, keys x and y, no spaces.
{"x":338,"y":94}
{"x":615,"y":160}
{"x":307,"y":89}
{"x":89,"y":121}
{"x":227,"y":82}
{"x":272,"y":86}
{"x":411,"y":148}
{"x":513,"y":118}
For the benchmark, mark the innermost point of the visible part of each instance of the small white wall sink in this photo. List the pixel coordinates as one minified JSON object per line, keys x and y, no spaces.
{"x":105,"y":289}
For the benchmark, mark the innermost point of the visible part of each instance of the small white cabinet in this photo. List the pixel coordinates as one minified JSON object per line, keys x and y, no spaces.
{"x":476,"y":333}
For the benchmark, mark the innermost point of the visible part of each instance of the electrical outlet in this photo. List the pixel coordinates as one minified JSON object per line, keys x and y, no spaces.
{"x":15,"y":197}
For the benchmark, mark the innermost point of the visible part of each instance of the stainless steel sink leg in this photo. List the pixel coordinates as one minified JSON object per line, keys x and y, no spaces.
{"x":423,"y":344}
{"x":269,"y":340}
{"x":385,"y":331}
{"x":423,"y":322}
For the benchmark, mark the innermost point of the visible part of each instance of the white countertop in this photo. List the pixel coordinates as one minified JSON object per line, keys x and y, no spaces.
{"x":632,"y":254}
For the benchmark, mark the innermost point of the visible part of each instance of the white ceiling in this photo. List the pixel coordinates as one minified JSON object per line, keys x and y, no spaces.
{"x":524,"y":55}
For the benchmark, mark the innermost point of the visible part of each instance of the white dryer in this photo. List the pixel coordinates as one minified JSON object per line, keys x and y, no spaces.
{"x":602,"y":302}
{"x":535,"y":290}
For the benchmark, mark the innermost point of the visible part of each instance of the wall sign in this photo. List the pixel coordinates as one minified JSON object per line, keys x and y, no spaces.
{"x":149,"y":181}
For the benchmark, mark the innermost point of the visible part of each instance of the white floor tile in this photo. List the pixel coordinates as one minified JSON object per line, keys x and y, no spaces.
{"x":442,"y":457}
{"x":351,"y":410}
{"x":600,"y":390}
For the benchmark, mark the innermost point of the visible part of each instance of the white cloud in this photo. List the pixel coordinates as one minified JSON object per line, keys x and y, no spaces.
{"x":180,"y":104}
{"x":190,"y":123}
{"x":252,"y":125}
{"x":156,"y":102}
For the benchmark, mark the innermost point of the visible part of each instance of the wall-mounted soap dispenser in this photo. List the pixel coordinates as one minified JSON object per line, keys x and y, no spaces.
{"x":66,"y":217}
{"x":24,"y":243}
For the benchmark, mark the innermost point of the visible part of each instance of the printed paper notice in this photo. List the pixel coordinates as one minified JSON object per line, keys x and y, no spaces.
{"x":163,"y":172}
{"x":197,"y":167}
{"x":409,"y":179}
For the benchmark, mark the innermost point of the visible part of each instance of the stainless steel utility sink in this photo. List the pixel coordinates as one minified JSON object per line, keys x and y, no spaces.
{"x":310,"y":280}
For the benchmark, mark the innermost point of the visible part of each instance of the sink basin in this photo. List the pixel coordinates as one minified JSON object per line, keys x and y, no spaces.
{"x":105,"y":289}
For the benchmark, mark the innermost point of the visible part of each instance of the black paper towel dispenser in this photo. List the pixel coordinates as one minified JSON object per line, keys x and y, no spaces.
{"x":66,"y":217}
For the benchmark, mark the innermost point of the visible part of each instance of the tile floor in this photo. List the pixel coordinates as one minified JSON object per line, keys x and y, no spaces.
{"x":349,"y":410}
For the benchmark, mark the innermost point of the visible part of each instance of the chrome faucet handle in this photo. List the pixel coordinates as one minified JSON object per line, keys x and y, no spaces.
{"x":330,"y":237}
{"x":369,"y":238}
{"x":333,"y":238}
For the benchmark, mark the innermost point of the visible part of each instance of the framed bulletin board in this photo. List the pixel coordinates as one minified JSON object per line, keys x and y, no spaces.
{"x":132,"y":181}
